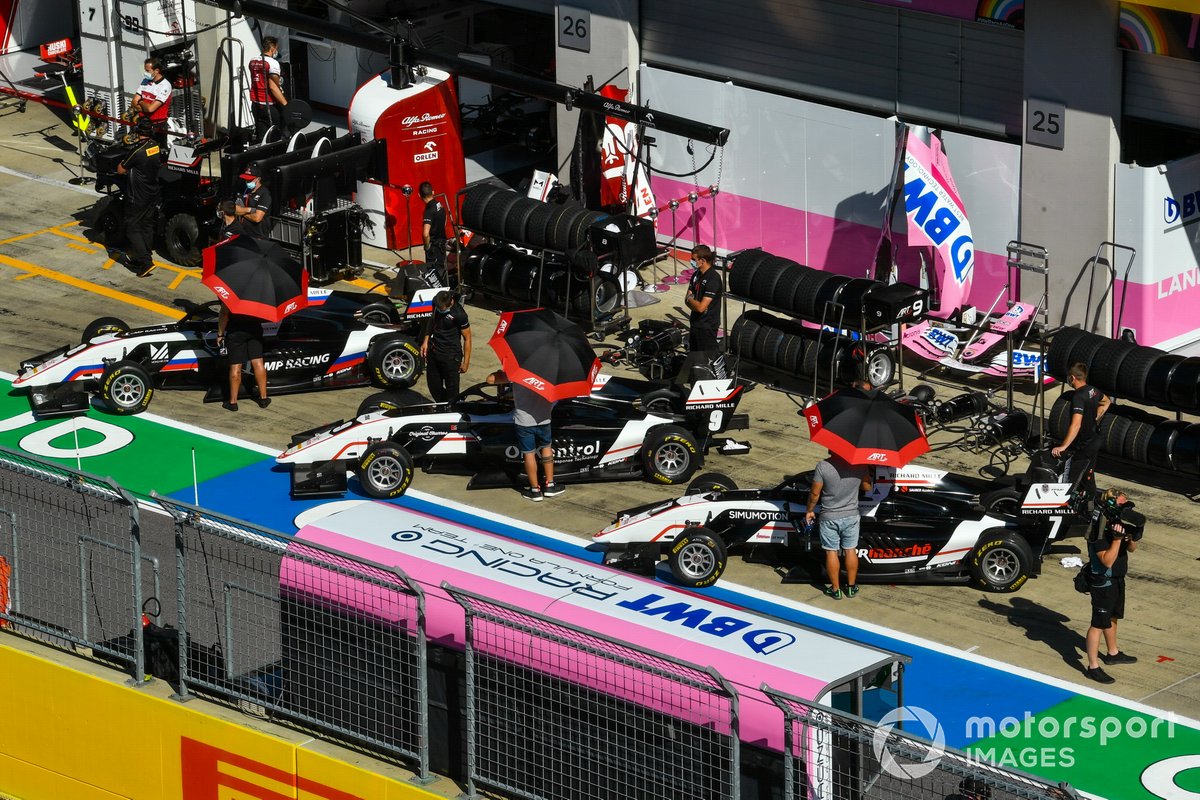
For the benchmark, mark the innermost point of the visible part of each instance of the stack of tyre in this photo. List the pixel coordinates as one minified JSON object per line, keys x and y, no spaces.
{"x":1138,"y":436}
{"x":792,"y":348}
{"x":788,"y":286}
{"x":1126,"y":370}
{"x":509,"y":216}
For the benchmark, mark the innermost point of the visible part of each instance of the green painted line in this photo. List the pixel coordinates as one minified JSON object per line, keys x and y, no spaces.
{"x":158,"y":457}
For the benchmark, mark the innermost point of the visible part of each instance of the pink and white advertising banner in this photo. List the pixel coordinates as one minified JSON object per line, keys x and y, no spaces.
{"x":937,"y":217}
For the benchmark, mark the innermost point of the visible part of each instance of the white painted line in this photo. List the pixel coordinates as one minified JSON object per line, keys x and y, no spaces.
{"x":971,"y":649}
{"x":1172,"y":686}
{"x":29,"y":176}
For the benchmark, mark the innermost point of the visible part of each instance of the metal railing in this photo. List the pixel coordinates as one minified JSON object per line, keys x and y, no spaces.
{"x":336,"y":645}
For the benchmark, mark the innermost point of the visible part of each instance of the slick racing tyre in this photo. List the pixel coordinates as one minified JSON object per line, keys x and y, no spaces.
{"x":393,"y":398}
{"x":697,"y":558}
{"x":385,"y":470}
{"x":396,"y":363}
{"x":880,"y":367}
{"x":663,"y":401}
{"x":379,"y":314}
{"x":711,"y":482}
{"x":101,"y":326}
{"x":1001,"y":501}
{"x":670,"y":455}
{"x":1002,"y":562}
{"x":125,"y":388}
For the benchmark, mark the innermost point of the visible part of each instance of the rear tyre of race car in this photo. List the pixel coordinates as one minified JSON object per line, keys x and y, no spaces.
{"x":393,"y":398}
{"x":385,"y":470}
{"x":181,"y":238}
{"x":379,"y":314}
{"x":711,"y":482}
{"x":670,"y":455}
{"x":697,"y":558}
{"x":662,"y":401}
{"x":880,"y":367}
{"x":1002,"y":562}
{"x":126,"y":388}
{"x":101,"y":326}
{"x":396,"y":363}
{"x":1001,"y":501}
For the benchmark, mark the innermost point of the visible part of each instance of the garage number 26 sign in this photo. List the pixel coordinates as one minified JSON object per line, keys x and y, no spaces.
{"x":575,"y":28}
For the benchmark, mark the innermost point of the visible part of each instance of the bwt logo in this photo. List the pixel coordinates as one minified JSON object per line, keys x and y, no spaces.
{"x":426,"y":117}
{"x":535,"y":382}
{"x":1182,"y":209}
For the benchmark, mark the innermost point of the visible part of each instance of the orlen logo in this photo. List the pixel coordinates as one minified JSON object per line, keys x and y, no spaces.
{"x":536,"y":383}
{"x":426,"y":117}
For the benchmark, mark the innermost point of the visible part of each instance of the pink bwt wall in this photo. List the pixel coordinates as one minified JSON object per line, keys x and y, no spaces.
{"x":815,"y":240}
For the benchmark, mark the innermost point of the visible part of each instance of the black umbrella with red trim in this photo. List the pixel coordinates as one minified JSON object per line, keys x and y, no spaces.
{"x":255,"y":278}
{"x":546,"y":353}
{"x":867,"y":428}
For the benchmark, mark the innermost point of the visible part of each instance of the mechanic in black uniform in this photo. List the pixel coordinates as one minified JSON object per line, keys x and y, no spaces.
{"x":446,"y":347}
{"x":242,"y":336}
{"x":230,"y":222}
{"x":254,"y":209}
{"x":703,"y":300}
{"x":1082,"y":442}
{"x":433,"y":235}
{"x":1108,"y":561}
{"x":143,"y":196}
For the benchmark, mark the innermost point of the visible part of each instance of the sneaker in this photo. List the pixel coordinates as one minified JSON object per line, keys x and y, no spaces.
{"x":836,"y":594}
{"x":553,"y":489}
{"x":142,"y":272}
{"x":1118,"y":657}
{"x":1099,"y":675}
{"x":263,"y":402}
{"x":532,"y":494}
{"x":229,"y":406}
{"x":851,"y":590}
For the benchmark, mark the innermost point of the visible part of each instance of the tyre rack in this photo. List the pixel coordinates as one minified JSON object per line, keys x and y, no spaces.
{"x":599,"y":324}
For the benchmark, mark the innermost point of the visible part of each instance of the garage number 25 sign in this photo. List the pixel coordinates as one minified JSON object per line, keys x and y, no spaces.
{"x":1045,"y":123}
{"x":575,"y":28}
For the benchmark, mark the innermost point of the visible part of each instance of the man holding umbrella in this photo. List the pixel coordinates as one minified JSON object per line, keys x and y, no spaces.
{"x":531,"y":417}
{"x":242,"y":337}
{"x":836,"y":485}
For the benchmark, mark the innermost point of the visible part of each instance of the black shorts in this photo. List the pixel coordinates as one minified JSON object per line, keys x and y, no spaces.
{"x":1108,"y":604}
{"x":243,"y":345}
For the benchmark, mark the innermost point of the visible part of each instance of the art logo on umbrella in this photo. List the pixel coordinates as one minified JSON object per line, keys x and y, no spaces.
{"x":534,"y":382}
{"x":888,"y":743}
{"x":222,"y":292}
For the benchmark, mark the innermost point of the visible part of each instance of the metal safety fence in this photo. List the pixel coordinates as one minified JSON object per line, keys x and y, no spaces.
{"x":336,"y":645}
{"x":832,"y":754}
{"x":555,"y":712}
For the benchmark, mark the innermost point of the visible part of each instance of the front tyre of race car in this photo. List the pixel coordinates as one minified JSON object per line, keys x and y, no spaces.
{"x":697,"y":558}
{"x":101,"y":326}
{"x":711,"y":482}
{"x":385,"y":470}
{"x":670,"y":455}
{"x":126,"y":388}
{"x":1002,"y":561}
{"x":396,"y":363}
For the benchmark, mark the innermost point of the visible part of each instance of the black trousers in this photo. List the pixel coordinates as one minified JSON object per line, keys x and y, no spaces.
{"x":435,"y":262}
{"x":441,"y":370}
{"x":1081,"y":467}
{"x":139,"y":230}
{"x":264,"y":117}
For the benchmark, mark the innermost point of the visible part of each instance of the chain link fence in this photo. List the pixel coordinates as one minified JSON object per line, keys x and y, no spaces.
{"x":72,"y":546}
{"x":838,"y":756}
{"x":555,"y":712}
{"x":336,"y":645}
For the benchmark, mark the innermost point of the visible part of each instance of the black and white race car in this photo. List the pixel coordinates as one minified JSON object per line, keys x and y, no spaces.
{"x":609,"y":435}
{"x":918,"y":525}
{"x":340,"y":339}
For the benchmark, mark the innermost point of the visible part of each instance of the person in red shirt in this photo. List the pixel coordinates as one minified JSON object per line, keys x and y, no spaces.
{"x":152,"y":99}
{"x":266,"y":94}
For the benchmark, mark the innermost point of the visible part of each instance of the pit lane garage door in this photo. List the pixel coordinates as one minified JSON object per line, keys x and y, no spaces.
{"x":926,"y":68}
{"x":1162,"y":89}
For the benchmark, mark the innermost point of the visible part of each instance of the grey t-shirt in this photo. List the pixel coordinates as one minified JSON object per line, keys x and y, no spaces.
{"x":841,"y":484}
{"x":531,"y":409}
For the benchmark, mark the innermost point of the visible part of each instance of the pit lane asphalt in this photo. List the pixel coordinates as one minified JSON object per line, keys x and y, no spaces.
{"x":54,"y":281}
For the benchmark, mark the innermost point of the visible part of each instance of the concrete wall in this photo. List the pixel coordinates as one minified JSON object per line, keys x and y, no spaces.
{"x":614,"y":47}
{"x":1067,"y":195}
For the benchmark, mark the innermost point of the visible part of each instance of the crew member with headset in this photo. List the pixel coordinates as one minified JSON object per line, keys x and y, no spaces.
{"x":254,"y":208}
{"x":152,"y":100}
{"x":141,"y":210}
{"x":266,"y":94}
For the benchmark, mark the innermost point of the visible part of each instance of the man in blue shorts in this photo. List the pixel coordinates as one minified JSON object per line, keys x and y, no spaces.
{"x":531,"y":416}
{"x":836,"y":485}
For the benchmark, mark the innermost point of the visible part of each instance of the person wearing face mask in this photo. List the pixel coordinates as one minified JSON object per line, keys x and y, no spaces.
{"x":266,"y":95}
{"x":254,"y":208}
{"x":152,"y":99}
{"x":703,"y":300}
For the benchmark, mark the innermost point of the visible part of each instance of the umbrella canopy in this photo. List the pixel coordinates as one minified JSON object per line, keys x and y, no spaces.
{"x":255,"y":277}
{"x":546,"y":353}
{"x":867,"y":428}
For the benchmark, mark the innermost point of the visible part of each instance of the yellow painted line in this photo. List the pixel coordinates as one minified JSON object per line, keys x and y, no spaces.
{"x":23,"y":236}
{"x":89,"y":250}
{"x":24,"y":276}
{"x":88,"y":286}
{"x":362,"y":283}
{"x":71,"y":236}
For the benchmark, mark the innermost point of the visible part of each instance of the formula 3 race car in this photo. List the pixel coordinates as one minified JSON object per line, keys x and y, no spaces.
{"x":340,"y":339}
{"x":918,"y":525}
{"x":609,"y":435}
